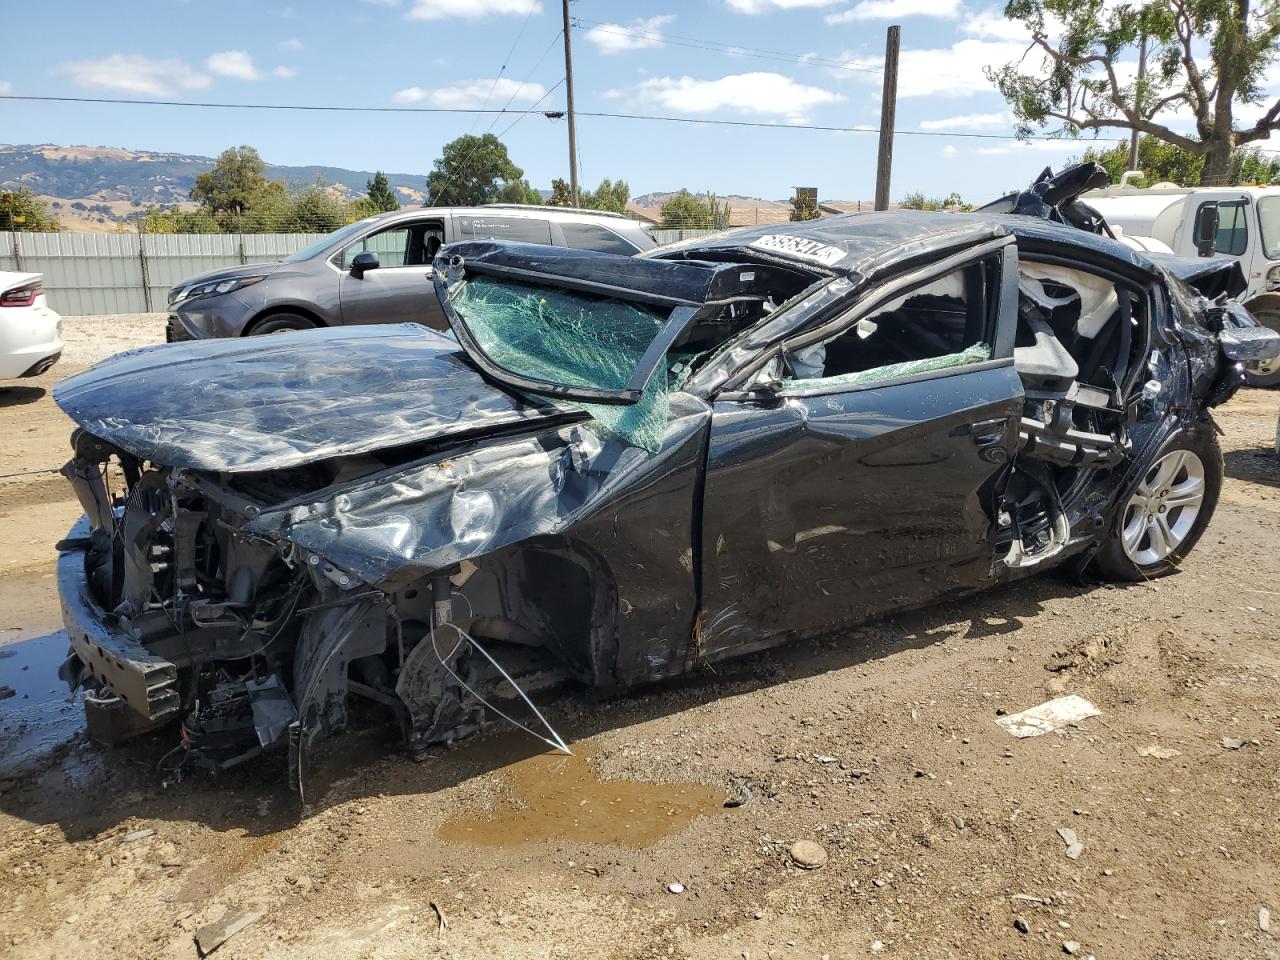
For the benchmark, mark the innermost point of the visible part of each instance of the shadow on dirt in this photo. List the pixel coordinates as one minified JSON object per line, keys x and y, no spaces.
{"x":20,"y":396}
{"x":86,"y":789}
{"x":1255,"y":466}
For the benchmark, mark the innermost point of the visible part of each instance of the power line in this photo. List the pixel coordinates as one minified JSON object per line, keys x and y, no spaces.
{"x":493,"y":86}
{"x":523,"y":82}
{"x":556,"y":114}
{"x":505,"y":60}
{"x":550,"y":114}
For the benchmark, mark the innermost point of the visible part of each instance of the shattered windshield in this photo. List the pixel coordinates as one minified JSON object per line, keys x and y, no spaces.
{"x":571,"y":340}
{"x":558,"y":336}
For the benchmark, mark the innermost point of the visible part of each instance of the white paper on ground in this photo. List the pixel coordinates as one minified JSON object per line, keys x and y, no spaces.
{"x":1049,"y":716}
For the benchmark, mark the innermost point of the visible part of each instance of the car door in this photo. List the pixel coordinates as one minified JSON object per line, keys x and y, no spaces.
{"x":845,"y":495}
{"x":400,"y":289}
{"x":1232,"y":235}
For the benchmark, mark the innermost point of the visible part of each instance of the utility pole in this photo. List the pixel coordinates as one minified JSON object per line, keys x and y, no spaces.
{"x":1137,"y":100}
{"x":568,"y":95}
{"x":888,"y":107}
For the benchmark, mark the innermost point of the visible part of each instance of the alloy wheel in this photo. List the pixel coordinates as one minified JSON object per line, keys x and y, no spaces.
{"x":1162,"y":511}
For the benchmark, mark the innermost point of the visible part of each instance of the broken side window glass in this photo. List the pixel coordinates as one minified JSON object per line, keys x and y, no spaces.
{"x":939,"y":325}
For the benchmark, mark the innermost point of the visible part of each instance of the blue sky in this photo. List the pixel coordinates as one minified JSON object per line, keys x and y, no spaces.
{"x":810,"y":61}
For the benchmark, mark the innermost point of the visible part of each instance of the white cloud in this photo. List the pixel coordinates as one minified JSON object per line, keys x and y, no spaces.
{"x":753,"y":7}
{"x":471,"y":94}
{"x":383,"y":3}
{"x":6,"y":88}
{"x":469,"y":9}
{"x":1067,"y":146}
{"x":134,"y":73}
{"x":896,"y":9}
{"x":639,"y":34}
{"x":954,"y":71}
{"x":292,"y":43}
{"x":769,"y":94}
{"x":969,"y":121}
{"x":283,"y":72}
{"x":992,"y":24}
{"x":233,"y":63}
{"x":949,"y":151}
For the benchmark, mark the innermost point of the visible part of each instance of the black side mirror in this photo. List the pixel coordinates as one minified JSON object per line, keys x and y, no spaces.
{"x":362,"y":262}
{"x":1206,"y":229}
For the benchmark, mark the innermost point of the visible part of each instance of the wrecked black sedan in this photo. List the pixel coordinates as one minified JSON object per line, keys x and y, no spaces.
{"x":622,"y":469}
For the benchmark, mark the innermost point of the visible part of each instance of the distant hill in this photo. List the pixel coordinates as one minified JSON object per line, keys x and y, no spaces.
{"x":658,"y":198}
{"x":108,"y":182}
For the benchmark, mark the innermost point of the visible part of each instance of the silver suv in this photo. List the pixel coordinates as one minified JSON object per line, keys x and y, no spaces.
{"x":376,"y":270}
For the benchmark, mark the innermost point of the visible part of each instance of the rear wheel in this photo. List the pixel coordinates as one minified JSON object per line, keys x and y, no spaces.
{"x":1267,"y":373}
{"x":1168,"y":511}
{"x":281,"y":323}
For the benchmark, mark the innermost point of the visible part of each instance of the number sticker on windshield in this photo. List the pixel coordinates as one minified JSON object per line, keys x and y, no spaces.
{"x":799,"y":247}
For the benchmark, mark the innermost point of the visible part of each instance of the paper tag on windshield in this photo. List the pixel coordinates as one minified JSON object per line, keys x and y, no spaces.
{"x":799,"y":247}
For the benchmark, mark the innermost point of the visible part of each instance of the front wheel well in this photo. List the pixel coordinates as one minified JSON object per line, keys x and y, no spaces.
{"x":270,"y":312}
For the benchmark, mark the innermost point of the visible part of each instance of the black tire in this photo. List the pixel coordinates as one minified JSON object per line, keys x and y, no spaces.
{"x":1262,"y":379}
{"x":1114,"y":563}
{"x":1268,"y":318}
{"x":281,"y":323}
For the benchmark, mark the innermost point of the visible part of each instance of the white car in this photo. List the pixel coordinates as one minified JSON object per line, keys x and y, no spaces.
{"x":30,"y":333}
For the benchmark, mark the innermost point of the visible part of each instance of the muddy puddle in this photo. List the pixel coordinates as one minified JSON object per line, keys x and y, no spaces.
{"x":36,"y":718}
{"x":551,"y":796}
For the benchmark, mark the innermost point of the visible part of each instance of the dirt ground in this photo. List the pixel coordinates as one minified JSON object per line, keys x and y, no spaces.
{"x":880,"y":744}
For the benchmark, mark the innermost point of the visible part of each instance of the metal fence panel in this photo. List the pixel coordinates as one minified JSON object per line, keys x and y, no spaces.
{"x":663,"y":236}
{"x":91,"y":273}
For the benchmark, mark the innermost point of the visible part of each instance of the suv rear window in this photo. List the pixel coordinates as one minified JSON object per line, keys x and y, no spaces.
{"x":590,"y":236}
{"x":523,"y":229}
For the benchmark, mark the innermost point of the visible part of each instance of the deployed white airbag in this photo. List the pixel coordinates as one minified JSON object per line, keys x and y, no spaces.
{"x":1098,"y":300}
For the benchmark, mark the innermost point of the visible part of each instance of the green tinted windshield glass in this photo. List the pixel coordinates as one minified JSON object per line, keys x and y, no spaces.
{"x":574,"y":340}
{"x":557,"y":335}
{"x":1269,"y":222}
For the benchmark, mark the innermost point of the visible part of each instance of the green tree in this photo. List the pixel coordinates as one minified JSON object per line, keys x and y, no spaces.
{"x":918,"y":201}
{"x":1161,"y":162}
{"x":1253,"y":168}
{"x":1207,"y":56}
{"x":611,"y":195}
{"x":23,"y":211}
{"x":561,"y":195}
{"x":519,"y":191}
{"x":179,"y":221}
{"x":804,"y":207}
{"x":381,"y":197}
{"x":471,"y":170}
{"x":685,"y":210}
{"x":721,"y":211}
{"x":237,"y":180}
{"x":317,"y":209}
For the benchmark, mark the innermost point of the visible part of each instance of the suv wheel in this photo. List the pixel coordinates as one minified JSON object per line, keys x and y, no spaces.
{"x":281,"y":323}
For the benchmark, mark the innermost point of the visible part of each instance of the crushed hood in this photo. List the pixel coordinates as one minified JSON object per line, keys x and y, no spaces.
{"x":266,"y":403}
{"x":1210,"y":276}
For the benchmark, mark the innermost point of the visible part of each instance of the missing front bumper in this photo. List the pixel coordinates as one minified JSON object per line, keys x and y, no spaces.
{"x":104,"y":657}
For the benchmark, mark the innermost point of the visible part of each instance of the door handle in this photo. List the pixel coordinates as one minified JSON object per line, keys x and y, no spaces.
{"x":984,"y":433}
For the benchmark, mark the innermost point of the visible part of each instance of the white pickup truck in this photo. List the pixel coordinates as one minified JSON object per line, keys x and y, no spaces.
{"x":1240,"y":222}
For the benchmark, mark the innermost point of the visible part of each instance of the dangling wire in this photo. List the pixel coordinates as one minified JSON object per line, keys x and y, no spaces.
{"x":558,"y":741}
